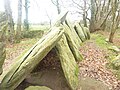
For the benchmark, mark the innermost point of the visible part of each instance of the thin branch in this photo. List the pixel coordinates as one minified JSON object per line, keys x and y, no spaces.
{"x":54,"y":2}
{"x":48,"y":18}
{"x":96,"y":12}
{"x":103,"y":5}
{"x":105,"y":18}
{"x":77,"y":4}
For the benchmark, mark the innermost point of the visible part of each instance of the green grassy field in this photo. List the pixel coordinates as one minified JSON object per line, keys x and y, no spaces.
{"x":34,"y":27}
{"x":39,"y":27}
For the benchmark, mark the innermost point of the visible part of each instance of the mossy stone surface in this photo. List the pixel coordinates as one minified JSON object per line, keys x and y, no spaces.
{"x":38,"y":88}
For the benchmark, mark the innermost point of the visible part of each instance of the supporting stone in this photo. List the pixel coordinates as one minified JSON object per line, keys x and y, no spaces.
{"x":69,"y":65}
{"x":80,"y":32}
{"x":30,"y":60}
{"x":71,"y":42}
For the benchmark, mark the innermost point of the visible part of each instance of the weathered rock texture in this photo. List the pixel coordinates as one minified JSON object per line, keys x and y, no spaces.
{"x":65,"y":39}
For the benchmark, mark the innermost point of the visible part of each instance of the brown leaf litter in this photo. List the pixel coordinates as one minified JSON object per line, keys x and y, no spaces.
{"x":94,"y":66}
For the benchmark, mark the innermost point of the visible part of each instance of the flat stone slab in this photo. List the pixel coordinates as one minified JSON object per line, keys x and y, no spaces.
{"x":91,"y":84}
{"x":52,"y":78}
{"x":114,"y":48}
{"x":38,"y":88}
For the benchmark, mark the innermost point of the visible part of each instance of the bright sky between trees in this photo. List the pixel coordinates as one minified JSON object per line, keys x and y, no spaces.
{"x":38,"y":12}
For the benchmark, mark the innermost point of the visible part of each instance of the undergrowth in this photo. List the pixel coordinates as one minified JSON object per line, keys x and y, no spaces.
{"x":101,"y":41}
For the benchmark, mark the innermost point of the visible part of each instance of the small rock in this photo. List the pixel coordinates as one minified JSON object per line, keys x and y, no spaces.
{"x":116,"y":62}
{"x":107,"y":40}
{"x":114,"y":48}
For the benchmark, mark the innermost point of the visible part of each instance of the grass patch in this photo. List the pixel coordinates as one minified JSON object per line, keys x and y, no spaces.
{"x":100,"y":40}
{"x":39,"y":27}
{"x":33,"y":34}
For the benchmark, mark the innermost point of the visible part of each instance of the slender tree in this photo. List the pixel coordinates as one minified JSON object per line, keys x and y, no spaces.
{"x":10,"y":22}
{"x":57,"y":4}
{"x":82,"y":9}
{"x":85,"y":13}
{"x":100,"y":12}
{"x":19,"y":21}
{"x":50,"y":20}
{"x":115,"y":19}
{"x":92,"y":20}
{"x":26,"y":23}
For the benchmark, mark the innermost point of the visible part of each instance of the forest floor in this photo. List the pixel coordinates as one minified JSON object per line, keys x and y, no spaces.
{"x":94,"y":66}
{"x":96,"y":57}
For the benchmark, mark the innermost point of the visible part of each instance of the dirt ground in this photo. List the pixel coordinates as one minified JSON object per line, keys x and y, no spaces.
{"x":48,"y":73}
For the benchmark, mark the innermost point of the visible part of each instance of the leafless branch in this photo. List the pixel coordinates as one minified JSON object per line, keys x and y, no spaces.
{"x":77,"y":4}
{"x":105,"y":18}
{"x":54,"y":2}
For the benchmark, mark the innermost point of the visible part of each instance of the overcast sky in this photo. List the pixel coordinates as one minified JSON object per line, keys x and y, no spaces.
{"x":37,"y":12}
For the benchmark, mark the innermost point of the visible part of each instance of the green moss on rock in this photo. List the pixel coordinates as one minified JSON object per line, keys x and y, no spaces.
{"x":38,"y":88}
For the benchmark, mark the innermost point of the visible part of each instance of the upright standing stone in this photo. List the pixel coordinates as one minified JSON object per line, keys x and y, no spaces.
{"x":68,"y":63}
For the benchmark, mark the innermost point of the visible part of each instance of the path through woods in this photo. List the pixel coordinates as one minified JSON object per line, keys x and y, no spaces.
{"x":94,"y":66}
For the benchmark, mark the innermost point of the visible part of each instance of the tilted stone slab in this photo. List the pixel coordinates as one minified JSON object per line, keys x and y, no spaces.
{"x":71,"y":42}
{"x":68,"y":63}
{"x":2,"y":47}
{"x":80,"y":32}
{"x":87,"y":32}
{"x":75,"y":35}
{"x":30,"y":60}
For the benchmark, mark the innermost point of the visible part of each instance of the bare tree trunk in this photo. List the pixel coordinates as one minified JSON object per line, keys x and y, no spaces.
{"x":10,"y":22}
{"x":50,"y":21}
{"x":19,"y":21}
{"x":100,"y":11}
{"x":111,"y":37}
{"x":58,"y":7}
{"x":57,"y":4}
{"x":26,"y":23}
{"x":85,"y":14}
{"x":92,"y":21}
{"x":115,"y":19}
{"x":84,"y":20}
{"x":84,"y":9}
